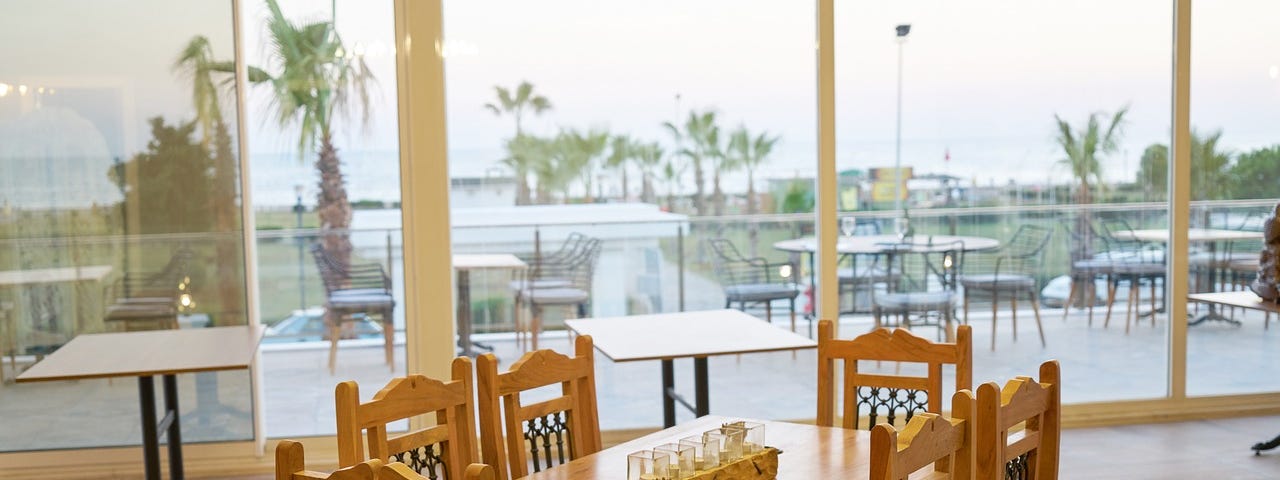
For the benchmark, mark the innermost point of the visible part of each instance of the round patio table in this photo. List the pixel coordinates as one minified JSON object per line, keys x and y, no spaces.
{"x":887,"y":245}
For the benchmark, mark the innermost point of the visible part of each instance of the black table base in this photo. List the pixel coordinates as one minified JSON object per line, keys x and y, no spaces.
{"x":152,"y":430}
{"x":1259,"y":447}
{"x":702,"y":404}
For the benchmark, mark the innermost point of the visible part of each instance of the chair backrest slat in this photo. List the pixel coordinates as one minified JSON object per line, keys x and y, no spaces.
{"x":448,"y":445}
{"x":515,"y":437}
{"x":899,"y":394}
{"x":1036,"y":405}
{"x":927,"y":438}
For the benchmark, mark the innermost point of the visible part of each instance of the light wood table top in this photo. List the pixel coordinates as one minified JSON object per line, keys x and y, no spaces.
{"x":468,"y":261}
{"x":146,"y":353}
{"x":808,"y":452}
{"x":54,"y":275}
{"x":1194,"y":235}
{"x":665,"y":336}
{"x":1242,"y":299}
{"x":871,"y":244}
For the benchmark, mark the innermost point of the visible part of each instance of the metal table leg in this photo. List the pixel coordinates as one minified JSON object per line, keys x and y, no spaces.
{"x":668,"y":393}
{"x":150,"y":442}
{"x":701,"y":390}
{"x":174,"y":427}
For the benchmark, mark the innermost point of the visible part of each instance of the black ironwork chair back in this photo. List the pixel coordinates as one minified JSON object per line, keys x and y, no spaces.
{"x":1022,"y":255}
{"x":939,"y":267}
{"x":733,"y":268}
{"x":355,"y":276}
{"x":1120,"y":240}
{"x":891,"y":399}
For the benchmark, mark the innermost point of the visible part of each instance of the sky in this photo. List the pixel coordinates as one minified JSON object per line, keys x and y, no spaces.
{"x":981,"y":79}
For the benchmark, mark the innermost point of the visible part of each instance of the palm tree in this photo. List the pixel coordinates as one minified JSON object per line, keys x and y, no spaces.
{"x":622,"y":150}
{"x":1083,"y":152}
{"x":515,"y":105}
{"x":649,"y":158}
{"x":1085,"y":149}
{"x":697,"y":140}
{"x":197,"y":61}
{"x":1210,"y":175}
{"x":671,"y":173}
{"x":319,"y":79}
{"x":582,"y":152}
{"x":749,"y":153}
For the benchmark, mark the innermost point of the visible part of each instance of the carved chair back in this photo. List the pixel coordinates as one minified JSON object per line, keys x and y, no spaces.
{"x":1003,"y":452}
{"x":517,"y":437}
{"x":291,"y":465}
{"x":927,"y":438}
{"x":442,"y":451}
{"x":887,"y":397}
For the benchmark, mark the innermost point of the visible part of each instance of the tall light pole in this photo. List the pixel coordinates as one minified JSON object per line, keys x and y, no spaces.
{"x":298,"y":209}
{"x":902,"y":30}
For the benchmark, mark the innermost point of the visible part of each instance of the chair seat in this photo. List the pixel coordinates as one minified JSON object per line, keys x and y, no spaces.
{"x":358,"y":301}
{"x":522,"y":285}
{"x":1001,"y":281}
{"x":864,"y":274}
{"x":760,"y":292}
{"x":916,"y":301}
{"x":349,"y":292}
{"x":119,"y":311}
{"x":1092,"y":265}
{"x":1139,"y":268}
{"x":1250,"y":265}
{"x":555,"y":296}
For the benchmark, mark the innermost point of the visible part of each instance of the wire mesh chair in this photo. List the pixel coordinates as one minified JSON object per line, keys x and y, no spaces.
{"x":363,"y":288}
{"x":1134,"y":263}
{"x":753,"y":281}
{"x":565,"y":283}
{"x":1013,"y":269}
{"x":934,"y":294}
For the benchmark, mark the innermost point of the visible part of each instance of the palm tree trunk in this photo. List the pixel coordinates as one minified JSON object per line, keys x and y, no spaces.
{"x":523,"y":195}
{"x":753,"y":229}
{"x":626,"y":194}
{"x":332,"y":204}
{"x":717,"y":195}
{"x":646,"y":188}
{"x":700,"y":190}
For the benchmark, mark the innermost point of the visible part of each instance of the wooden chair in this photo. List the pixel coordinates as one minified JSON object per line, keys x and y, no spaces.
{"x":1032,"y":454}
{"x":290,"y":465}
{"x":515,"y":436}
{"x":887,"y":395}
{"x":355,"y":289}
{"x":447,"y":446}
{"x":927,"y":438}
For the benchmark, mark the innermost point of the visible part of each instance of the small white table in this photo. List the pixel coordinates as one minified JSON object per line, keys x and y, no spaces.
{"x":147,"y":354}
{"x":668,"y":336}
{"x":463,"y":264}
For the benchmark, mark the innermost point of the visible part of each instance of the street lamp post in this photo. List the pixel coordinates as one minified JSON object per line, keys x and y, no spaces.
{"x":902,"y":31}
{"x":298,"y":208}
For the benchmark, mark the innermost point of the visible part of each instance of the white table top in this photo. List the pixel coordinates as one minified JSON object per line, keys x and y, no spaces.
{"x":685,"y":334}
{"x":154,"y":352}
{"x":54,"y":275}
{"x":1194,"y":235}
{"x":1241,"y":298}
{"x":871,"y":244}
{"x":468,"y":261}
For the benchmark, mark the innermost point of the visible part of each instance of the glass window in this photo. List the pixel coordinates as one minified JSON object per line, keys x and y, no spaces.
{"x":581,"y":123}
{"x":119,"y":190}
{"x":1235,"y":170}
{"x":325,"y":180}
{"x":1024,"y":125}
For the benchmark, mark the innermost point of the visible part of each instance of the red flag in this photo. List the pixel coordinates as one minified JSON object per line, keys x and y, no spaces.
{"x":947,"y":156}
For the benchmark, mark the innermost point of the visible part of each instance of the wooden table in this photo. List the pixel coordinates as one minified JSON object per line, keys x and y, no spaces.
{"x":147,"y":354}
{"x":668,"y":336}
{"x":1208,"y":236}
{"x":887,"y":245}
{"x":808,"y":452}
{"x":1249,"y":300}
{"x":76,"y":274}
{"x":463,"y":264}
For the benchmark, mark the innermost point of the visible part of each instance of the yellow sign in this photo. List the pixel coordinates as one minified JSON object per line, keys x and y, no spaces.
{"x":884,"y":191}
{"x":888,"y":174}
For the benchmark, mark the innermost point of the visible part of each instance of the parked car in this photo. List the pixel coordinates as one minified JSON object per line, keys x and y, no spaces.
{"x":308,"y":326}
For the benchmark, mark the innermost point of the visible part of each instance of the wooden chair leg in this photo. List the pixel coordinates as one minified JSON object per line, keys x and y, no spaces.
{"x":1013,"y":302}
{"x":965,"y":319}
{"x":389,"y":338}
{"x":1092,"y":290}
{"x":1132,"y":305}
{"x":1035,"y":308}
{"x":994,"y":321}
{"x":1153,"y":303}
{"x":535,"y":326}
{"x":335,"y":332}
{"x":1112,"y":284}
{"x":1071,"y":298}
